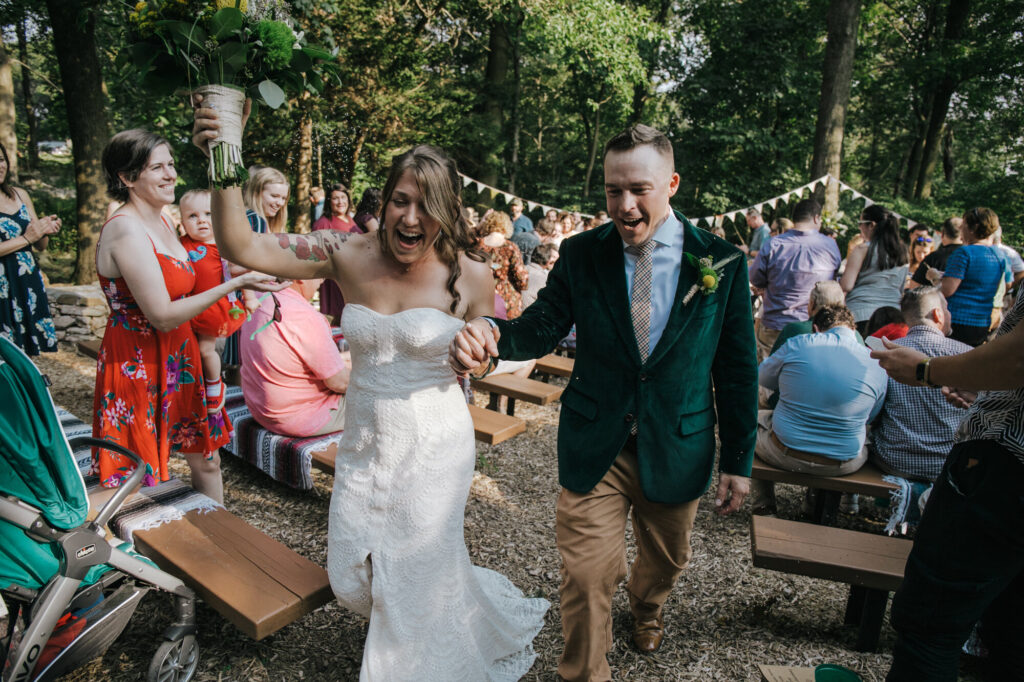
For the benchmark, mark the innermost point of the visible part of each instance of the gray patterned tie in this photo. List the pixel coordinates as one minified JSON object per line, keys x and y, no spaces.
{"x":640,"y":302}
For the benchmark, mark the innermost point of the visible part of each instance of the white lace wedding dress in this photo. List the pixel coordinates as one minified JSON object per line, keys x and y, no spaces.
{"x":396,"y":552}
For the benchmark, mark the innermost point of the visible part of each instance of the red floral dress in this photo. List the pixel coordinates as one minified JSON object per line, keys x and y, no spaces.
{"x":510,"y":275}
{"x":149,"y":395}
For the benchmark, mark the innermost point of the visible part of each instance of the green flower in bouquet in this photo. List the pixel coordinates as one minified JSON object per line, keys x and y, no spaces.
{"x":225,"y":50}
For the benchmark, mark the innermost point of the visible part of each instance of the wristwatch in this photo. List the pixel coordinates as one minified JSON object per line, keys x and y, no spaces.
{"x":923,"y":375}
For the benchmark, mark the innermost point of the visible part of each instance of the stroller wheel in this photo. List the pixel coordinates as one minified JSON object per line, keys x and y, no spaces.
{"x":175,"y":661}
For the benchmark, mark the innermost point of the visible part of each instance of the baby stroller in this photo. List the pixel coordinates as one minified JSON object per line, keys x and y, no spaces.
{"x":69,"y":592}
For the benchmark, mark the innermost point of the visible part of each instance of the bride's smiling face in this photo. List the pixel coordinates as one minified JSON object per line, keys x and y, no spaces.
{"x":411,"y":231}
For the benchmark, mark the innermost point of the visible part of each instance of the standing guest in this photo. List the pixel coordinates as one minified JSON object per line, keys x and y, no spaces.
{"x":293,"y":377}
{"x":527,"y":242}
{"x":149,"y":379}
{"x":759,"y":232}
{"x":510,"y":276}
{"x":914,"y":431}
{"x":265,"y":194}
{"x":544,"y":257}
{"x":876,"y":270}
{"x":520,"y":222}
{"x":24,"y":309}
{"x":967,"y":562}
{"x":972,"y":277}
{"x":787,"y":268}
{"x":225,"y":316}
{"x":935,"y":262}
{"x":1012,"y":257}
{"x":920,"y":247}
{"x":335,"y":217}
{"x":829,"y":389}
{"x":636,"y":434}
{"x":368,"y":211}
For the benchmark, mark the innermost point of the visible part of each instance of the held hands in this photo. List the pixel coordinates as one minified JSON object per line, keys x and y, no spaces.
{"x":42,"y":227}
{"x":472,"y":346}
{"x":899,"y":362}
{"x":205,"y":128}
{"x":732,"y":490}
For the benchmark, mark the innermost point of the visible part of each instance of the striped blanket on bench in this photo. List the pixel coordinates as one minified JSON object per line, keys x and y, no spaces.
{"x":284,"y":458}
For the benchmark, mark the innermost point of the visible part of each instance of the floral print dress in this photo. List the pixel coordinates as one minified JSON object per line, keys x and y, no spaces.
{"x":24,"y":309}
{"x":510,"y":275}
{"x":149,"y":395}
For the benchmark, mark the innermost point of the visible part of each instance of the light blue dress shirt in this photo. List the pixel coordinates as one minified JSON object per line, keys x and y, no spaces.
{"x":829,"y":389}
{"x":666,"y":264}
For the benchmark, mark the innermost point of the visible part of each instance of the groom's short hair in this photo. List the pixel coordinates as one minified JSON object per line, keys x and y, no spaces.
{"x":637,"y":136}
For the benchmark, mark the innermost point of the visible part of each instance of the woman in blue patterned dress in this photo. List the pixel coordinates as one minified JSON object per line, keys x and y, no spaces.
{"x":24,"y":310}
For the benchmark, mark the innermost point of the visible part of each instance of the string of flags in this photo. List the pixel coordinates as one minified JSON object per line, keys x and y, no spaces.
{"x":791,"y":195}
{"x":508,"y":197}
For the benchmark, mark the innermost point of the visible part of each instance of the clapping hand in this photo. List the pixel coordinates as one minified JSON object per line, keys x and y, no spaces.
{"x":42,"y":227}
{"x":472,"y":346}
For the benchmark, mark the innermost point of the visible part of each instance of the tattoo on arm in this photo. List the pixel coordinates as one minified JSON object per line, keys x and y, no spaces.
{"x":316,"y":247}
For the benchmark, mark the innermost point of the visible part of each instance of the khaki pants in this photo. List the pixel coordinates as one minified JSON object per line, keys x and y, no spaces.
{"x":591,"y":538}
{"x":336,"y":420}
{"x":765,"y":339}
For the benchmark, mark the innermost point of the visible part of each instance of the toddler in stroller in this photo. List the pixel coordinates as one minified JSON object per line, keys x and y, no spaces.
{"x":68,"y":591}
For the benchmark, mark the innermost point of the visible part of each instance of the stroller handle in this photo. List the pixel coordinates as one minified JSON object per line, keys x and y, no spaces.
{"x":123,"y":491}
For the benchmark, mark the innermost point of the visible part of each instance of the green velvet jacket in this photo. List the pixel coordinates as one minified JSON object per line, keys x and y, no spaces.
{"x":705,"y":361}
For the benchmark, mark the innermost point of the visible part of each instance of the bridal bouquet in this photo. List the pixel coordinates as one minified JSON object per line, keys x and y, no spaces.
{"x":225,"y":50}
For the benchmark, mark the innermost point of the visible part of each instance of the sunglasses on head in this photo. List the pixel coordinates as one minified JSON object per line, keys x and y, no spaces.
{"x":923,"y":240}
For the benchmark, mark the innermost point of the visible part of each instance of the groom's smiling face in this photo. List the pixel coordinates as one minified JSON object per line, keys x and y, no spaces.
{"x":637,"y":184}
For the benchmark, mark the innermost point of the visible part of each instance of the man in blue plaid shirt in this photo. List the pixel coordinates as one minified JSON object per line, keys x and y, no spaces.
{"x":914,"y":431}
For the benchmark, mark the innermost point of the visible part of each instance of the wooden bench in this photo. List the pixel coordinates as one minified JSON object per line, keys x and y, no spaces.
{"x":554,"y":365}
{"x":516,"y":388}
{"x":865,"y":481}
{"x":89,"y":348}
{"x":871,"y":564}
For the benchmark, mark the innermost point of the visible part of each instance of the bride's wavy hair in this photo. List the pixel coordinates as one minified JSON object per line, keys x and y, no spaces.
{"x":437,"y":178}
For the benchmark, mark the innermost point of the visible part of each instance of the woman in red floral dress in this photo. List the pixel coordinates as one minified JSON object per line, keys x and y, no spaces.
{"x":510,"y":274}
{"x":149,"y":379}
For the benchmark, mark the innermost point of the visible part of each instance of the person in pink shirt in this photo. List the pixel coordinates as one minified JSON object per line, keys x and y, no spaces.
{"x":293,"y":377}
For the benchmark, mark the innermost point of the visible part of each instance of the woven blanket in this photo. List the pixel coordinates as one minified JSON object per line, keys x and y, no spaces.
{"x":283,"y":458}
{"x":147,"y":508}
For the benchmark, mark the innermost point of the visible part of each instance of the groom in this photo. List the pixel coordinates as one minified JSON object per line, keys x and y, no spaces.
{"x":661,"y":344}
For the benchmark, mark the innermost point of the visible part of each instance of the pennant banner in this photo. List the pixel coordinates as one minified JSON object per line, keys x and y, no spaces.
{"x":494,"y":192}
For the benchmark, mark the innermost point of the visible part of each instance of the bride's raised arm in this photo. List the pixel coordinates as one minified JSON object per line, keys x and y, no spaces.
{"x":291,"y":256}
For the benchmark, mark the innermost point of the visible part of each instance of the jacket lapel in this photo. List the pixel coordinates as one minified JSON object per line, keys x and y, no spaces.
{"x":696,"y":243}
{"x":610,"y":266}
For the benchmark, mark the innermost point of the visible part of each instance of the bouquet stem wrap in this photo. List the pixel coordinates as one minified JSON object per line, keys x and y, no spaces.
{"x":226,"y":167}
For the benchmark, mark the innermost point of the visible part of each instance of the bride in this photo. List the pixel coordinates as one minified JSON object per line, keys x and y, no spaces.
{"x":396,"y":553}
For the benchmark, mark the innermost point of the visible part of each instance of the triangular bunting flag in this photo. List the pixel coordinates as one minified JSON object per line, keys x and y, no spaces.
{"x":530,"y":205}
{"x":479,"y":186}
{"x":466,"y":180}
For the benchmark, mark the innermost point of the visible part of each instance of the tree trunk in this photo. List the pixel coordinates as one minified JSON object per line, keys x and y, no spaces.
{"x":357,"y":151}
{"x":948,"y":162}
{"x":517,"y":111}
{"x":913,"y":164}
{"x":74,"y":40}
{"x":593,"y":154}
{"x":32,"y":144}
{"x":495,"y":75}
{"x":956,"y":23}
{"x":7,"y":116}
{"x":304,"y":170}
{"x":837,"y":74}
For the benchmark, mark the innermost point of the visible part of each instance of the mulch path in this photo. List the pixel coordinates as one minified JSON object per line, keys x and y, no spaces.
{"x":722,"y":619}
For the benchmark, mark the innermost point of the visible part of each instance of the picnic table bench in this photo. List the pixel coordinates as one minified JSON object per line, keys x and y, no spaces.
{"x":554,"y":365}
{"x":871,"y":564}
{"x":516,"y":388}
{"x":865,"y":481}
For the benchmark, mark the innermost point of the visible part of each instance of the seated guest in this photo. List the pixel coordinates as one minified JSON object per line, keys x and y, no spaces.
{"x":293,"y":376}
{"x":887,"y":321}
{"x":829,"y":389}
{"x":544,"y":257}
{"x":915,"y":428}
{"x":827,"y":292}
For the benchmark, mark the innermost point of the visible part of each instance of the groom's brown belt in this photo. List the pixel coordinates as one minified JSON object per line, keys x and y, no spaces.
{"x":811,"y":457}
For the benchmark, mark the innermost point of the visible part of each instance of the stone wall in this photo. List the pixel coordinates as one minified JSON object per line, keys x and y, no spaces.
{"x":79,"y":311}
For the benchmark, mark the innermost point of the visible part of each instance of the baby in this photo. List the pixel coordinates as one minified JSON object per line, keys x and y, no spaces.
{"x":225,"y":316}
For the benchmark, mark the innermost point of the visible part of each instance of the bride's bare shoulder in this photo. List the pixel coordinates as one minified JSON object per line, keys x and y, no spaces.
{"x":476,"y":271}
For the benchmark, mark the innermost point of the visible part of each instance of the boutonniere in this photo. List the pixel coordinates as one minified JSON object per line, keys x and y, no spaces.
{"x":710,"y":274}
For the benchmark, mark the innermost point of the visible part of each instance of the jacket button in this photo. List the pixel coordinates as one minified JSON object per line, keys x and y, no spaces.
{"x":644,"y":377}
{"x":628,"y":418}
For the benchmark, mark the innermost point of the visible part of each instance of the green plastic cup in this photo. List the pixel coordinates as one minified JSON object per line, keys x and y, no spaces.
{"x":829,"y":672}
